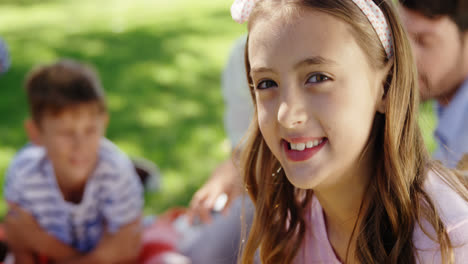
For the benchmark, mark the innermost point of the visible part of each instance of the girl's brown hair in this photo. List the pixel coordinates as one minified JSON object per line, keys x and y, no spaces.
{"x":396,"y":200}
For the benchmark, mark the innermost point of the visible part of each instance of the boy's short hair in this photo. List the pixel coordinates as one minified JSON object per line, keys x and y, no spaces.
{"x":59,"y":86}
{"x":457,"y":10}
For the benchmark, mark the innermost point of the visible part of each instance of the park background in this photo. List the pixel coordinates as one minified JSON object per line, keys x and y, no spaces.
{"x":160,"y":62}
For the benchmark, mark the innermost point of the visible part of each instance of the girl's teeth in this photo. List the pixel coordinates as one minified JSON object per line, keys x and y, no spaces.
{"x":301,"y":146}
{"x":308,"y":144}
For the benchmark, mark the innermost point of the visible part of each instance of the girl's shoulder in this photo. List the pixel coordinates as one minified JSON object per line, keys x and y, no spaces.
{"x":453,"y":211}
{"x":451,"y":206}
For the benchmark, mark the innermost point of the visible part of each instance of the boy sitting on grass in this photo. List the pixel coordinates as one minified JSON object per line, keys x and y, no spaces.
{"x":73,"y":196}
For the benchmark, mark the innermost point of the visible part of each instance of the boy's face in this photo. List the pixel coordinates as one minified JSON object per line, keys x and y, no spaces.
{"x":72,"y":139}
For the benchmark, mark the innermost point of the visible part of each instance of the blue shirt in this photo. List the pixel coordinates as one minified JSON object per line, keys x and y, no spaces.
{"x":112,"y":197}
{"x":451,"y":133}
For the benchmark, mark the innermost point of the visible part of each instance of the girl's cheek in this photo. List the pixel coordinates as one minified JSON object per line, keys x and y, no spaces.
{"x":263,"y":123}
{"x":265,"y":112}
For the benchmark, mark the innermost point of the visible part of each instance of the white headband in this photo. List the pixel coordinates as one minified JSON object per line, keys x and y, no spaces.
{"x":241,"y":9}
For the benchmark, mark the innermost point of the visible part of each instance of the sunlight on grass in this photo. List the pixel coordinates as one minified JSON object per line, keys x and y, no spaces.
{"x":116,"y":102}
{"x":428,"y":122}
{"x":6,"y":154}
{"x":154,"y":117}
{"x":166,"y":75}
{"x":93,"y":48}
{"x":129,"y":147}
{"x":190,"y":109}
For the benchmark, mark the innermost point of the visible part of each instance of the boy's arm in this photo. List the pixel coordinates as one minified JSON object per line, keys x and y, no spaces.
{"x":23,"y":257}
{"x":22,"y":229}
{"x":122,"y":247}
{"x":26,"y":237}
{"x":53,"y":248}
{"x":16,"y":245}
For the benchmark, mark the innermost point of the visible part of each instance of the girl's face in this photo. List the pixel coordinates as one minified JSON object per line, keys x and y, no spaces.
{"x":316,"y":95}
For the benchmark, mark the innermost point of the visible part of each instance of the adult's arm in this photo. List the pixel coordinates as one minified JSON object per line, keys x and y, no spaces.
{"x":225,"y":178}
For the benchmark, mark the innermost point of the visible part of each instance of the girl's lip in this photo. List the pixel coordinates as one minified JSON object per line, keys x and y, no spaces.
{"x":297,"y":156}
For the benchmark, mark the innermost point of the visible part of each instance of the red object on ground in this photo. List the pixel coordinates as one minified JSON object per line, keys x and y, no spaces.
{"x":161,"y":238}
{"x":43,"y":260}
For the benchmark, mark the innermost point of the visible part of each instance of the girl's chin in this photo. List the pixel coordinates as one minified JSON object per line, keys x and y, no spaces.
{"x":304,"y":180}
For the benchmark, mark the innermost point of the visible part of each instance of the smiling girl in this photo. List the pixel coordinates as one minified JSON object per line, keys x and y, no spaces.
{"x":335,"y":163}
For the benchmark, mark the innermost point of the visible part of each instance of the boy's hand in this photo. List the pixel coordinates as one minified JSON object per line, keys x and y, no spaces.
{"x":123,"y":246}
{"x":22,"y":229}
{"x":23,"y":232}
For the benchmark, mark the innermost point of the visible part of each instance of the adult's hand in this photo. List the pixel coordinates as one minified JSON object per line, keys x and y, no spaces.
{"x":224,"y":180}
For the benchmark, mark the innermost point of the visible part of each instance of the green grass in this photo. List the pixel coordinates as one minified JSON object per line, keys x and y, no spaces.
{"x":428,"y":122}
{"x":160,"y":62}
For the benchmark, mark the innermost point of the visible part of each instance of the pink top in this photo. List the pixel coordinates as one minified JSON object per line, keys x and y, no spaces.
{"x":452,"y":209}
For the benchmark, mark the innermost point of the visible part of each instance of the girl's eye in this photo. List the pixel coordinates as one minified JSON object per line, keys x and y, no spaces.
{"x":266,"y":84}
{"x":318,"y":78}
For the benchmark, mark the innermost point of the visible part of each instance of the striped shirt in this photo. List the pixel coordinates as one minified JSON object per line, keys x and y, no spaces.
{"x":112,"y":198}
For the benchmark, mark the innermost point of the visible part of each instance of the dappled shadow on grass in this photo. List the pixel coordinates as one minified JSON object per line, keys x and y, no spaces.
{"x":163,"y":92}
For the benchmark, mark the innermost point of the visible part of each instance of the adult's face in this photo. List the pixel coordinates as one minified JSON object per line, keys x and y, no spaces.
{"x":438,"y":49}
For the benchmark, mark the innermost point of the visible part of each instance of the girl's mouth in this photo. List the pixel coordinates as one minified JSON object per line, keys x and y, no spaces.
{"x":303,"y":150}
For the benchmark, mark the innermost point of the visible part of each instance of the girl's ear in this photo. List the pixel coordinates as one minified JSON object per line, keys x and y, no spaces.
{"x":33,"y":132}
{"x":383,"y":78}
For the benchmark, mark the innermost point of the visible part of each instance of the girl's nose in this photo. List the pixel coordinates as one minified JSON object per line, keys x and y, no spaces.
{"x":292,"y":109}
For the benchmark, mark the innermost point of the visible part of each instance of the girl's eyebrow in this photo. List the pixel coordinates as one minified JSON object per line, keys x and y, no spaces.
{"x":316,"y":60}
{"x":260,"y":70}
